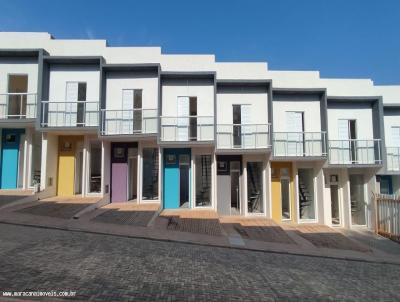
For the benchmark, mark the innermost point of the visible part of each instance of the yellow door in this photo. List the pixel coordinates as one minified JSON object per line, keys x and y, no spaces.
{"x":281,"y":173}
{"x":66,"y":165}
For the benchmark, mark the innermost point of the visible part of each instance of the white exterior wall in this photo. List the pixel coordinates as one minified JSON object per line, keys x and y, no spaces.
{"x":390,"y":93}
{"x":61,"y":74}
{"x":105,"y":170}
{"x":311,"y":109}
{"x":49,"y":163}
{"x":241,"y":70}
{"x":258,"y":102}
{"x":203,"y":91}
{"x":117,"y":81}
{"x":18,"y":66}
{"x":361,"y":112}
{"x":389,"y":122}
{"x":348,"y":87}
{"x":187,"y":62}
{"x":294,"y":79}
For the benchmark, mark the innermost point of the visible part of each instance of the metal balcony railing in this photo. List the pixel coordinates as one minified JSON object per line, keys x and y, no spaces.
{"x":393,"y":158}
{"x":18,"y":105}
{"x":134,"y":121}
{"x":300,"y":144}
{"x":355,"y":151}
{"x":187,"y":128}
{"x":243,"y":136}
{"x":70,"y":114}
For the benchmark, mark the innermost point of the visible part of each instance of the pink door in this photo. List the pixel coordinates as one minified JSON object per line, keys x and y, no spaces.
{"x":119,"y":182}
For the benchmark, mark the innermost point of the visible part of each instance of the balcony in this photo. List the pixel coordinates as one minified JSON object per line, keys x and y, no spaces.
{"x":300,"y":144}
{"x":18,"y":106}
{"x":187,"y":128}
{"x":70,"y":114}
{"x":393,"y":159}
{"x":123,"y":122}
{"x":355,"y":152}
{"x":243,"y":136}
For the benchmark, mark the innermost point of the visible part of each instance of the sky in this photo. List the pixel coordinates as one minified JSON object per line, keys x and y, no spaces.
{"x":340,"y":38}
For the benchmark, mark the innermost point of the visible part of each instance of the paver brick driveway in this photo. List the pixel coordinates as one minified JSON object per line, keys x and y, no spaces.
{"x":127,"y":214}
{"x":58,"y":207}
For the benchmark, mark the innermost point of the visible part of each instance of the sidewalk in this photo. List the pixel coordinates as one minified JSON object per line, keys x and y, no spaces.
{"x":206,"y":228}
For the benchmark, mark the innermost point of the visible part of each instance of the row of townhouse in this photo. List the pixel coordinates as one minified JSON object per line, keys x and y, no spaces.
{"x":131,"y":123}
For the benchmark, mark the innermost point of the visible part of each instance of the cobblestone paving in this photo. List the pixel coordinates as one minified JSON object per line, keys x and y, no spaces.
{"x":108,"y":268}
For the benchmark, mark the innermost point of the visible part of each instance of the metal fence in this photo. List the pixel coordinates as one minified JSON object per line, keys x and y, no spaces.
{"x":17,"y":105}
{"x":393,"y":158}
{"x":355,"y":151}
{"x":388,"y":216}
{"x":243,"y":136}
{"x":70,"y":114}
{"x":187,"y":128}
{"x":134,"y":121}
{"x":300,"y":144}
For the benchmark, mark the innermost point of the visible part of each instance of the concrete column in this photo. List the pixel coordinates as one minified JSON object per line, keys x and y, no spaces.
{"x":26,"y":159}
{"x":105,"y":169}
{"x":139,"y":173}
{"x":43,"y":172}
{"x":214,"y":179}
{"x":160,"y":178}
{"x":268,"y":209}
{"x":295,"y":211}
{"x":244,"y":187}
{"x":265,"y":181}
{"x":323,"y":200}
{"x":346,"y":208}
{"x":371,"y":190}
{"x":85,"y":166}
{"x":193,"y":179}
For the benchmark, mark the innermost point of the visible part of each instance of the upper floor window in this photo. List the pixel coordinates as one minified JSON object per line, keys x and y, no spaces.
{"x":132,"y":110}
{"x":76,"y":92}
{"x":396,"y":136}
{"x":187,"y":118}
{"x":17,"y":98}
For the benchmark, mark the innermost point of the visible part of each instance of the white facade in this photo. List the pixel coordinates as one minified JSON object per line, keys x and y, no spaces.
{"x":184,"y":104}
{"x":362,"y":113}
{"x":309,"y":105}
{"x":60,"y":75}
{"x":116,"y":82}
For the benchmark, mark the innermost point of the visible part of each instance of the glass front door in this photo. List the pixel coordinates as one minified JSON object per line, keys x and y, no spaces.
{"x":335,"y":209}
{"x":357,"y":199}
{"x":255,"y":187}
{"x":306,"y":194}
{"x":235,"y":187}
{"x":285,"y":198}
{"x":203,"y":180}
{"x":184,"y":181}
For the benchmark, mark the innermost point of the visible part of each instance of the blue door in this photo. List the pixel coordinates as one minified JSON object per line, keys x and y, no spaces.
{"x":9,"y":157}
{"x":176,"y":178}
